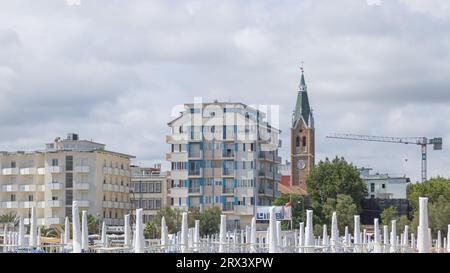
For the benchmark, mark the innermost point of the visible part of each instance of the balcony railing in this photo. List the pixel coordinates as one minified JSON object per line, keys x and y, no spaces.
{"x":55,"y":186}
{"x":195,"y":172}
{"x":54,"y":169}
{"x":228,"y":207}
{"x":54,"y":203}
{"x":10,"y":171}
{"x":227,"y":172}
{"x":81,"y":169}
{"x":10,"y":188}
{"x":83,"y":203}
{"x":81,"y":186}
{"x":227,"y":154}
{"x":194,"y":190}
{"x":28,"y":171}
{"x":227,"y":190}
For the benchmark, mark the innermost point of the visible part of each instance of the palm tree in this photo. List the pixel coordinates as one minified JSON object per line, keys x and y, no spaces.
{"x":10,"y":219}
{"x":49,"y":232}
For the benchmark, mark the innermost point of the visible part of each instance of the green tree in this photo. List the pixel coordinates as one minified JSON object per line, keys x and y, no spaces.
{"x":298,"y":210}
{"x":9,"y":218}
{"x":328,"y":179}
{"x":50,"y":232}
{"x":433,"y":189}
{"x":345,"y":209}
{"x":438,"y":216}
{"x":93,"y":224}
{"x":402,"y":221}
{"x":151,"y":230}
{"x":389,"y":214}
{"x":172,"y":217}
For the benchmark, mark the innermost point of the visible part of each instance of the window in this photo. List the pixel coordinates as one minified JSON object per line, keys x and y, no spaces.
{"x":13,"y":197}
{"x":297,"y":141}
{"x":372,"y":196}
{"x":30,"y":198}
{"x":69,"y":163}
{"x":54,"y":162}
{"x":383,"y":186}
{"x":372,"y":187}
{"x":13,"y":164}
{"x":54,"y":198}
{"x":157,"y":187}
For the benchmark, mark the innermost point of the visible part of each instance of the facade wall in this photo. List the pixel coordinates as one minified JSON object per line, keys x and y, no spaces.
{"x":230,"y":163}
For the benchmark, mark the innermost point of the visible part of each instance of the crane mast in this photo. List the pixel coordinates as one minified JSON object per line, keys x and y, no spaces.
{"x":421,"y":141}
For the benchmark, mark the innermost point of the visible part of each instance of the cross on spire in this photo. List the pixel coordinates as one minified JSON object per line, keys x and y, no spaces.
{"x":301,"y":66}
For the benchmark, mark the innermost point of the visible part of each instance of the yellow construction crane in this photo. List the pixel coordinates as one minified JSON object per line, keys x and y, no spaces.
{"x":421,"y":141}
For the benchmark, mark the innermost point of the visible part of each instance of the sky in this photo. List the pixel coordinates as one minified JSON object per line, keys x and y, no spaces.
{"x":113,"y":71}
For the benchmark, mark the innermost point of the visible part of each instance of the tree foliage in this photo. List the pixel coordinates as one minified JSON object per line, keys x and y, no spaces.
{"x":389,"y":214}
{"x":433,"y":189}
{"x":327,"y":181}
{"x":345,"y":209}
{"x":438,"y":216}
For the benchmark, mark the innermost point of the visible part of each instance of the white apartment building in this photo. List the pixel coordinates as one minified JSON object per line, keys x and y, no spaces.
{"x":223,"y":154}
{"x":384,"y":186}
{"x":67,"y":170}
{"x":148,"y":190}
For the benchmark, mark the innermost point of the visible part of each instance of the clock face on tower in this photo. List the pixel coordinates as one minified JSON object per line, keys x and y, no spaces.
{"x":301,"y":164}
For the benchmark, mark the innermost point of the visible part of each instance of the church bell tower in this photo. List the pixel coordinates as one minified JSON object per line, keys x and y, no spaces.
{"x":302,"y":137}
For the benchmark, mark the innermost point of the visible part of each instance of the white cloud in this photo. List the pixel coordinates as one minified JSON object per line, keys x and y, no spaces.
{"x":113,"y":70}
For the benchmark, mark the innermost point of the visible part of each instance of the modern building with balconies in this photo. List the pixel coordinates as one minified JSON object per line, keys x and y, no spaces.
{"x":223,"y":154}
{"x":67,"y":170}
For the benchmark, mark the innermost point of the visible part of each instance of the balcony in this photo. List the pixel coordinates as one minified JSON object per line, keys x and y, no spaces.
{"x":116,"y":171}
{"x":178,"y":174}
{"x":83,"y":203}
{"x":31,"y":188}
{"x":28,"y":171}
{"x":54,"y":204}
{"x":228,"y":154}
{"x":195,"y":190}
{"x":10,"y":188}
{"x":228,"y":207}
{"x":54,"y":169}
{"x":81,"y":186}
{"x":177,"y":156}
{"x":122,"y":172}
{"x":195,"y":172}
{"x":81,"y":169}
{"x":227,"y":190}
{"x":243,"y":210}
{"x":108,"y":170}
{"x":10,"y":171}
{"x":30,"y":204}
{"x":41,"y":171}
{"x":55,"y":186}
{"x":176,"y":138}
{"x":10,"y":205}
{"x":178,"y":192}
{"x":227,"y":172}
{"x":107,"y":204}
{"x":107,"y":187}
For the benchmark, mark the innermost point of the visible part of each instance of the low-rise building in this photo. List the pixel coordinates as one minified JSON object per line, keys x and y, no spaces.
{"x":148,"y":190}
{"x":384,"y":186}
{"x":66,"y":170}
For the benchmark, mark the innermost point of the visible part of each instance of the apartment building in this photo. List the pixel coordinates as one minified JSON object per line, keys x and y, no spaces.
{"x":66,"y":170}
{"x":223,"y":154}
{"x":148,"y":190}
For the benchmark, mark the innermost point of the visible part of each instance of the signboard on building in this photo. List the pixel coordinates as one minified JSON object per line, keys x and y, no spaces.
{"x":281,"y":213}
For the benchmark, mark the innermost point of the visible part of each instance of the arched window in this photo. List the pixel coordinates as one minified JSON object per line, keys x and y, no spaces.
{"x":297,"y":141}
{"x":304,"y":141}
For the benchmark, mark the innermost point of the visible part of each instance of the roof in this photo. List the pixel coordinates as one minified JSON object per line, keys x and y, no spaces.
{"x":292,"y":190}
{"x":302,"y":109}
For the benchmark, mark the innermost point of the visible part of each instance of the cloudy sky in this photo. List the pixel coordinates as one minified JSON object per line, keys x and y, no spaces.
{"x":113,"y":71}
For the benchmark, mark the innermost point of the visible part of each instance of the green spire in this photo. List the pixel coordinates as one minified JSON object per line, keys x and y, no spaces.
{"x":302,"y":86}
{"x":302,"y":108}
